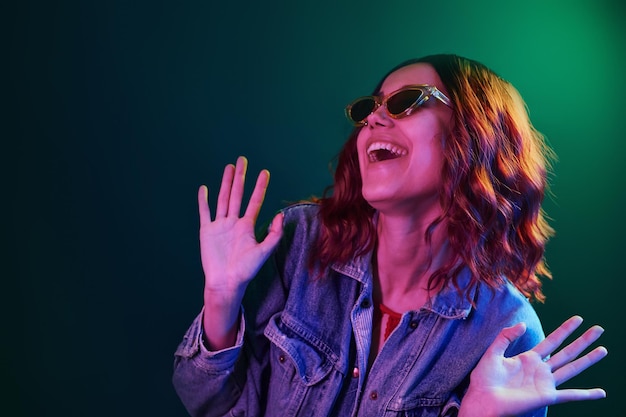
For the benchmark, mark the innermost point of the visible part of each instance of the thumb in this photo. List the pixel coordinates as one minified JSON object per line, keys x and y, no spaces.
{"x":504,"y":339}
{"x":274,"y":234}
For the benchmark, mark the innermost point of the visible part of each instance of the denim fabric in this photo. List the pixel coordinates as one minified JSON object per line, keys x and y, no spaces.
{"x":302,"y":337}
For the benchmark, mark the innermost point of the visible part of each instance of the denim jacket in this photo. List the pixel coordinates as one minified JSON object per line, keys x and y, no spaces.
{"x":303,"y":344}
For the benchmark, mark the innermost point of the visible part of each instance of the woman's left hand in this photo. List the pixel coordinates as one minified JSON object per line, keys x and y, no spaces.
{"x":501,"y":386}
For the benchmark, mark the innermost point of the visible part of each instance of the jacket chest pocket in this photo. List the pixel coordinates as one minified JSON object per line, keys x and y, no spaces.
{"x":296,"y":352}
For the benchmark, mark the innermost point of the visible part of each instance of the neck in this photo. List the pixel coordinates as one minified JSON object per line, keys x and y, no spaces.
{"x":404,"y":258}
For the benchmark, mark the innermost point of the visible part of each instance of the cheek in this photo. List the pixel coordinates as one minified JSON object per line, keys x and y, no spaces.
{"x":429,"y":160}
{"x":360,"y":151}
{"x":360,"y":139}
{"x":436,"y":170}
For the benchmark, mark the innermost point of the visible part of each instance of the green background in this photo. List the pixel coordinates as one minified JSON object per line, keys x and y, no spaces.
{"x":114,"y":112}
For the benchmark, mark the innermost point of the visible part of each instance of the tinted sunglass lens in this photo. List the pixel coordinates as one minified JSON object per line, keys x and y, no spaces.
{"x":402,"y":100}
{"x":361,"y":109}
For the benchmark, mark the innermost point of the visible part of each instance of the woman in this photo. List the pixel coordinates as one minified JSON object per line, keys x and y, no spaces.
{"x":381,"y":299}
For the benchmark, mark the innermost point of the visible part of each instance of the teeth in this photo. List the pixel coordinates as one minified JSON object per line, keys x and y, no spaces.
{"x":384,"y":146}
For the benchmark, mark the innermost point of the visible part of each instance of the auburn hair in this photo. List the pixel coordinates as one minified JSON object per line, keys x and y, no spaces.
{"x":495,"y":177}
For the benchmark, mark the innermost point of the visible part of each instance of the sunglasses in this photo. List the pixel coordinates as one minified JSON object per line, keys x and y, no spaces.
{"x":401,"y":103}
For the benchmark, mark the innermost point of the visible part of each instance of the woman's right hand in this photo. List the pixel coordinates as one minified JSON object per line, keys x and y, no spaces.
{"x":230,"y":253}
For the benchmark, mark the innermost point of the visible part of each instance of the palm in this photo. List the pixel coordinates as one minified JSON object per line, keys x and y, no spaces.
{"x":522,"y":381}
{"x":230,"y":253}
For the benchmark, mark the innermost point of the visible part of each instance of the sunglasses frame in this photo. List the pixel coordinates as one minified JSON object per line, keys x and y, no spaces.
{"x":428,"y":91}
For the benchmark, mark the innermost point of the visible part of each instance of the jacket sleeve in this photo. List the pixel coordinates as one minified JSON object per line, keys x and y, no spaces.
{"x":205,"y":380}
{"x":233,"y":380}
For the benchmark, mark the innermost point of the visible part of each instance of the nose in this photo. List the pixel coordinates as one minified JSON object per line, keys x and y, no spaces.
{"x":379,"y":117}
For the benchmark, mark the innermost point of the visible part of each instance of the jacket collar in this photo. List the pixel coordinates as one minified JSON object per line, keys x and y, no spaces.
{"x":449,"y":302}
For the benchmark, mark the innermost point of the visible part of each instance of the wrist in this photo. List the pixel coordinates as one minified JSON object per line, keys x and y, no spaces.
{"x":220,"y":319}
{"x":476,"y":404}
{"x":219,"y":328}
{"x":223,"y":296}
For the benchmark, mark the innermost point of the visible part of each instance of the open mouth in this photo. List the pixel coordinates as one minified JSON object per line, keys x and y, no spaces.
{"x":383,"y":151}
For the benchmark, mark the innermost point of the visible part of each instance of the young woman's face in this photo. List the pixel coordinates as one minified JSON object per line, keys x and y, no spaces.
{"x":407,"y":180}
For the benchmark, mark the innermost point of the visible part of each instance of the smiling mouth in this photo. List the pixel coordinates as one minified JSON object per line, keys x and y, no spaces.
{"x":382,"y":151}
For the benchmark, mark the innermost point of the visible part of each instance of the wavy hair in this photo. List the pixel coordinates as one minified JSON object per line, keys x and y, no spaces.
{"x":495,"y":177}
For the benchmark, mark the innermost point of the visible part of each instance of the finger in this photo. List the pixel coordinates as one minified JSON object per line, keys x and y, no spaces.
{"x":274,"y":235}
{"x":558,"y":336}
{"x":567,"y":395}
{"x":203,"y":205}
{"x":571,"y":351}
{"x":570,"y":370}
{"x":224,"y":195}
{"x":258,"y":195}
{"x":236,"y":193}
{"x":507,"y":336}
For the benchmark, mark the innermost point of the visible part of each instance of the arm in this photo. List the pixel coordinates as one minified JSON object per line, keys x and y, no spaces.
{"x":230,"y":254}
{"x":502,"y":386}
{"x":210,"y":367}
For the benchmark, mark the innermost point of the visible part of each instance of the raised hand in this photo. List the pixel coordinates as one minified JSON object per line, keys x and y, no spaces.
{"x":502,"y":386}
{"x":230,"y":253}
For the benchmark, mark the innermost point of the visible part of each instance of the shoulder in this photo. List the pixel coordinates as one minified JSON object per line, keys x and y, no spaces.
{"x":300,"y":220}
{"x":507,"y":306}
{"x":300,"y":229}
{"x":300,"y":212}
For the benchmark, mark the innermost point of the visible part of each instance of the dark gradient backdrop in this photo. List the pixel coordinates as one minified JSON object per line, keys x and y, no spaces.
{"x":114,"y":112}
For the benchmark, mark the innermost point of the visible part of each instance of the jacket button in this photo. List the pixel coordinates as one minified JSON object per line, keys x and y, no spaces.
{"x":374,"y":395}
{"x":413,"y":324}
{"x":355,"y":372}
{"x":366,"y":303}
{"x":281,"y":358}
